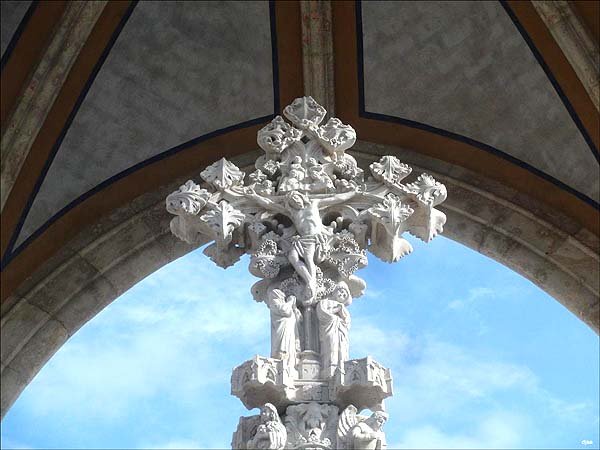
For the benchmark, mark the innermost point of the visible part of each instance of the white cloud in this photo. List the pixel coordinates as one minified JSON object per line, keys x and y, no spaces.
{"x":474,"y":295}
{"x":441,"y":378}
{"x":172,"y":337}
{"x":366,"y":338}
{"x":177,"y":444}
{"x":498,"y":430}
{"x":155,"y":341}
{"x":438,"y":382}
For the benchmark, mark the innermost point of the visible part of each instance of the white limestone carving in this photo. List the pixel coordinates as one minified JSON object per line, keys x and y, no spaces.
{"x":356,"y":432}
{"x":390,"y":170}
{"x":285,"y":340}
{"x":277,"y":136}
{"x":334,"y":325}
{"x":363,"y":383}
{"x":336,"y":137}
{"x":305,"y":113}
{"x":246,"y":430}
{"x":306,"y":216}
{"x":223,"y":174}
{"x":311,"y":425}
{"x":271,"y":433}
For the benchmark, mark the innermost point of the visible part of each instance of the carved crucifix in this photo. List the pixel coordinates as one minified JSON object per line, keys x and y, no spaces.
{"x":306,"y":216}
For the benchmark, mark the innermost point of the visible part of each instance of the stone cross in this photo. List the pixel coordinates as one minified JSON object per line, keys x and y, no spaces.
{"x":306,"y":216}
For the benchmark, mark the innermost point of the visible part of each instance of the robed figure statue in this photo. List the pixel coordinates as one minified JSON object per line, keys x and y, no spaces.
{"x":334,"y":324}
{"x":285,"y":341}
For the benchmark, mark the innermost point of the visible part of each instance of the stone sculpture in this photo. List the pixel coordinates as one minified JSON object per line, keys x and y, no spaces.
{"x":306,"y":216}
{"x":271,"y":433}
{"x":334,"y":325}
{"x":357,"y":432}
{"x":285,"y":343}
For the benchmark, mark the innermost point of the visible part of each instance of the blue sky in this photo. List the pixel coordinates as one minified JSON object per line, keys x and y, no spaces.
{"x":481,"y":358}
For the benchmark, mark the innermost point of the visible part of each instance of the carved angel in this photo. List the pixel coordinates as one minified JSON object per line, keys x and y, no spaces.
{"x":321,"y":182}
{"x":271,"y":433}
{"x":357,"y":432}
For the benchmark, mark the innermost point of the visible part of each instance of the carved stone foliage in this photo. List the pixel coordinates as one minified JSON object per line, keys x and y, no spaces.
{"x":277,"y":136}
{"x":223,"y":174}
{"x":306,"y":216}
{"x":390,"y":170}
{"x":305,"y":113}
{"x":188,"y":200}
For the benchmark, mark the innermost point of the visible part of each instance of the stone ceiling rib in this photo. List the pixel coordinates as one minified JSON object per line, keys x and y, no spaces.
{"x":44,"y":86}
{"x":575,"y":41}
{"x":317,"y":52}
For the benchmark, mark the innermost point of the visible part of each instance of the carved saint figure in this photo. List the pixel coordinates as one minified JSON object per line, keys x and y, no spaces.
{"x":271,"y":433}
{"x":307,"y":247}
{"x":334,"y":323}
{"x":285,"y":343}
{"x":369,"y":435}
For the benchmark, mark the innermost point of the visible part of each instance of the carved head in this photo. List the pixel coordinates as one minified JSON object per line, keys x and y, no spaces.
{"x":377,"y":420}
{"x":297,"y":200}
{"x":312,"y":415}
{"x":341,"y":293}
{"x":268,"y":413}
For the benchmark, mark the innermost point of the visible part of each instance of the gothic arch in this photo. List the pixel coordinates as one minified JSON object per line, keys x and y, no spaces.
{"x":118,"y":251}
{"x":542,"y":225}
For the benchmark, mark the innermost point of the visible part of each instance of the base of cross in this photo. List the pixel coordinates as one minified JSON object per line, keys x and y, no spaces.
{"x":300,"y":409}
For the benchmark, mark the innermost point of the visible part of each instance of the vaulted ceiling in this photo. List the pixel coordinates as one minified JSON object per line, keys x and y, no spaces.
{"x":160,"y":89}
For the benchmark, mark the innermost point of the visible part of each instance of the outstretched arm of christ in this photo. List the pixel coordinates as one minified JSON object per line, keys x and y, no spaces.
{"x":336,"y":198}
{"x":266,"y":202}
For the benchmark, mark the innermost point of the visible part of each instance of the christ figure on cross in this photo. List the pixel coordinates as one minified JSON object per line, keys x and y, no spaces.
{"x":307,"y":247}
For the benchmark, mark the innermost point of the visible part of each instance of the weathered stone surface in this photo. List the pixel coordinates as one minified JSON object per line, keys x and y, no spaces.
{"x":36,"y":352}
{"x":135,"y":266}
{"x":106,"y":252}
{"x":61,"y":285}
{"x":13,"y":383}
{"x":90,"y":301}
{"x":18,"y":328}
